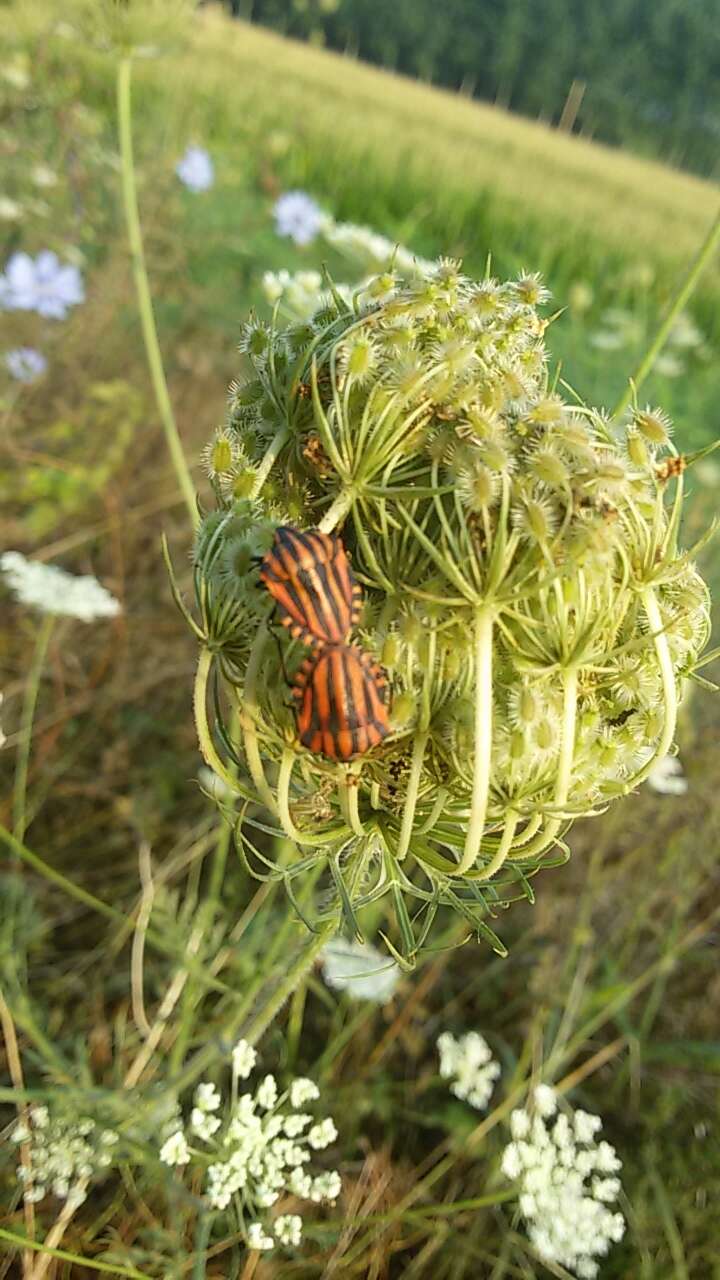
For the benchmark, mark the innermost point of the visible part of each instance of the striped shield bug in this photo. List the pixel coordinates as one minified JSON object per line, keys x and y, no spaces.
{"x":340,"y":702}
{"x":308,"y":575}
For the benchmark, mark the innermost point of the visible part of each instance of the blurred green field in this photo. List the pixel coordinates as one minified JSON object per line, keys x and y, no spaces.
{"x":613,"y":972}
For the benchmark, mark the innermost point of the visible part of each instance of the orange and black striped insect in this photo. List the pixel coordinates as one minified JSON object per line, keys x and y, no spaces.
{"x":309,"y":576}
{"x":340,"y":702}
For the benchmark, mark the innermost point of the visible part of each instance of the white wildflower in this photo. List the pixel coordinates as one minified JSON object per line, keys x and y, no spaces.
{"x":175,"y":1149}
{"x":256,"y":1237}
{"x":545,"y":1100}
{"x":301,"y":1184}
{"x":203,"y":1124}
{"x":244,"y":1058}
{"x":52,"y":590}
{"x":666,"y":776}
{"x":374,"y":251}
{"x":267,"y":1092}
{"x":10,"y":210}
{"x":61,"y":1153}
{"x":295,"y":1124}
{"x":321,"y":1135}
{"x":207,"y":1097}
{"x":361,"y":970}
{"x":15,"y":73}
{"x":288,"y":1229}
{"x":298,"y":216}
{"x":43,"y":177}
{"x":41,"y":284}
{"x":303,"y":1090}
{"x":564,"y":1200}
{"x":301,"y":293}
{"x":326,"y":1186}
{"x":195,"y":170}
{"x":263,"y":1149}
{"x":468,"y":1061}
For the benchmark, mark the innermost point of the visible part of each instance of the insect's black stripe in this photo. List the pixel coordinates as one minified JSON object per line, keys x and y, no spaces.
{"x":318,"y":583}
{"x":353,"y":713}
{"x":338,"y":590}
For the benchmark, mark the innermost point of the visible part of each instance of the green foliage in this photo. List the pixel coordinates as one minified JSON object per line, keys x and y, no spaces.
{"x":74,"y":458}
{"x":650,"y":74}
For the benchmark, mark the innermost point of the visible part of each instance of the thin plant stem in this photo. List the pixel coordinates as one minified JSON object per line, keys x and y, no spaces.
{"x":703,"y":257}
{"x":483,"y":738}
{"x":411,"y":794}
{"x":336,"y":513}
{"x":259,"y":1024}
{"x":142,"y":288}
{"x":247,"y":723}
{"x":662,"y":651}
{"x":503,"y":848}
{"x":28,"y":714}
{"x":563,"y":776}
{"x":207,"y":746}
{"x":74,"y":1199}
{"x":12,"y":1054}
{"x":200,"y":1244}
{"x":103,"y":908}
{"x":109,"y":1268}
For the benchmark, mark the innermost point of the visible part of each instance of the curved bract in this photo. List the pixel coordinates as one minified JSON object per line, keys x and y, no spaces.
{"x":522,"y":582}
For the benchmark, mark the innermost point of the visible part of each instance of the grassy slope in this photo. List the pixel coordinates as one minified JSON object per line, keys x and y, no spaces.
{"x":114,"y":752}
{"x":345,"y":112}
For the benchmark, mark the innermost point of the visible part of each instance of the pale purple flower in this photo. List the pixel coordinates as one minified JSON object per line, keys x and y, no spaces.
{"x":25,"y":364}
{"x":196,"y":170}
{"x":41,"y":284}
{"x":298,"y":216}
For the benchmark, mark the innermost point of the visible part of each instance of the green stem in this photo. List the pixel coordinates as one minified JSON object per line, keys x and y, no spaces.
{"x":269,"y":458}
{"x":264,"y":1016}
{"x":662,"y":651}
{"x":142,"y":288}
{"x":285,"y":989}
{"x":247,"y":722}
{"x":483,"y":738}
{"x":207,"y":746}
{"x":203,"y":1228}
{"x":704,"y":254}
{"x":547,"y":836}
{"x":411,"y":794}
{"x":336,"y":513}
{"x":28,"y":714}
{"x":154,"y":938}
{"x":110,"y":1268}
{"x":502,"y":850}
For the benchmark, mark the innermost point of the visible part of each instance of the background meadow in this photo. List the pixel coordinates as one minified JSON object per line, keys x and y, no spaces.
{"x":611,"y":975}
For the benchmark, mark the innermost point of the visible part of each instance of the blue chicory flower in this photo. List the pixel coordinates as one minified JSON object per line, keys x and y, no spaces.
{"x":42,"y":284}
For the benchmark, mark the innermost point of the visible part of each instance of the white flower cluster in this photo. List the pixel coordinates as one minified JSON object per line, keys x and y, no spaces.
{"x":469,"y":1063}
{"x":361,"y":970}
{"x":301,"y":292}
{"x":62,"y":1153}
{"x":260,"y":1146}
{"x":373,"y":251}
{"x":667,"y":777}
{"x":52,"y":590}
{"x":567,"y":1183}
